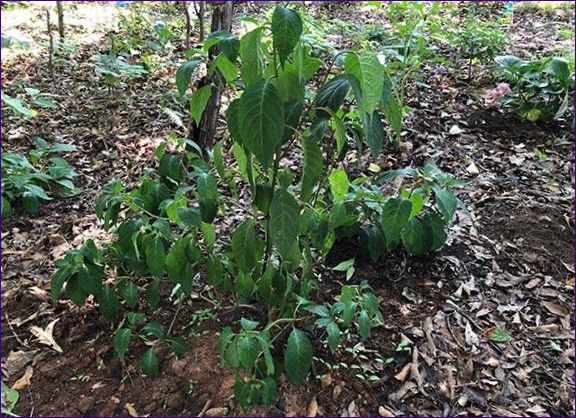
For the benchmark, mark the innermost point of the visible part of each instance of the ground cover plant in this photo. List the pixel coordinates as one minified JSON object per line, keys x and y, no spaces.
{"x":287,"y":209}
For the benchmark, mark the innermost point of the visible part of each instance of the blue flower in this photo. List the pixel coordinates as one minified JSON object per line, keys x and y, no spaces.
{"x":123,"y":3}
{"x":509,"y":6}
{"x":159,"y":25}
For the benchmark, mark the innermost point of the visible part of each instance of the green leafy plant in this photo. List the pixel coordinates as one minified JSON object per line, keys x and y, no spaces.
{"x":21,"y":107}
{"x":541,"y":89}
{"x":480,"y":40}
{"x":417,"y":216}
{"x":10,"y":398}
{"x":406,"y":47}
{"x":29,"y":179}
{"x":164,"y":227}
{"x":115,"y":67}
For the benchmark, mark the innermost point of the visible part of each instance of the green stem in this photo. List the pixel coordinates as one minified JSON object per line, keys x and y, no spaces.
{"x":268,"y":253}
{"x":326,"y":171}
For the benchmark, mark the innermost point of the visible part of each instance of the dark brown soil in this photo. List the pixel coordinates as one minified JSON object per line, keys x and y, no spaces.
{"x":536,"y":238}
{"x":88,"y":378}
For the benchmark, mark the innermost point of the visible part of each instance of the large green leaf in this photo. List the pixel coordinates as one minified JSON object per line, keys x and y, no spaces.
{"x":263,"y":196}
{"x":18,"y":106}
{"x":90,"y":278}
{"x":434,"y":231}
{"x":216,"y":275}
{"x":413,"y":237}
{"x":331,"y":95}
{"x":289,"y":85}
{"x":364,"y":325}
{"x":207,"y":196}
{"x":370,"y":73}
{"x":340,"y":132}
{"x":131,"y":295}
{"x":395,"y":214}
{"x":298,"y":356}
{"x":149,"y":363}
{"x":37,"y":191}
{"x":284,"y":221}
{"x":74,"y":292}
{"x":508,"y":61}
{"x":375,"y":134}
{"x":170,"y":166}
{"x":176,"y":259}
{"x":247,"y":245}
{"x":229,"y":44}
{"x":262,"y":120}
{"x":306,"y":64}
{"x":184,"y":74}
{"x":446,"y":202}
{"x":372,"y":241}
{"x":248,"y":350}
{"x":561,"y":70}
{"x":153,"y":193}
{"x":339,"y":184}
{"x":199,"y":101}
{"x":6,"y":207}
{"x":293,"y":112}
{"x":155,"y":255}
{"x":252,"y":57}
{"x":227,"y":68}
{"x":333,"y":332}
{"x":286,"y":31}
{"x":233,"y":119}
{"x":313,"y":166}
{"x":189,"y":217}
{"x":108,"y":300}
{"x":393,"y":111}
{"x":121,"y":341}
{"x":58,"y":280}
{"x":269,"y":391}
{"x":153,"y":293}
{"x":244,"y":285}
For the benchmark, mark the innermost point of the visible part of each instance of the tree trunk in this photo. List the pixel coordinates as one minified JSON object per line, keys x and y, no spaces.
{"x":201,"y":14}
{"x":60,"y":19}
{"x":187,"y":29}
{"x":204,"y":134}
{"x":199,"y":7}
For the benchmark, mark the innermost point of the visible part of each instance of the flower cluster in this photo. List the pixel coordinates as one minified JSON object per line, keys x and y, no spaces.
{"x":494,"y":96}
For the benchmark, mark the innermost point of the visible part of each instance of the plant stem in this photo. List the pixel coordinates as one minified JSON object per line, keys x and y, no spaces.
{"x":51,"y":47}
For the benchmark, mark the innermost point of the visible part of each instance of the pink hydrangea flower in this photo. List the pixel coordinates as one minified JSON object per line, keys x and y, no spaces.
{"x":494,"y":96}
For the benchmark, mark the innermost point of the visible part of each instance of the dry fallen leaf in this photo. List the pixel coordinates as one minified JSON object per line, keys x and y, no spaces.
{"x":312,"y":409}
{"x":455,"y":130}
{"x":216,"y":412}
{"x":517,"y":160}
{"x":326,"y":380}
{"x":374,"y":168}
{"x":403,"y":374}
{"x":97,"y":385}
{"x":555,"y":309}
{"x":403,"y":391}
{"x":385,"y":412}
{"x":17,"y":360}
{"x":471,"y":336}
{"x":24,"y":380}
{"x":131,"y":410}
{"x":473,"y":169}
{"x":45,"y":335}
